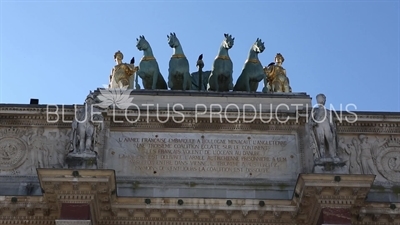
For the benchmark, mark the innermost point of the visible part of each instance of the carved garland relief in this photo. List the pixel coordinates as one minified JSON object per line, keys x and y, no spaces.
{"x":12,"y":153}
{"x":13,"y":150}
{"x":388,"y":160}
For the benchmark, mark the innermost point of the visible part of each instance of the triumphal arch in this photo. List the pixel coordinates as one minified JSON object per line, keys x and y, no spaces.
{"x":207,"y":152}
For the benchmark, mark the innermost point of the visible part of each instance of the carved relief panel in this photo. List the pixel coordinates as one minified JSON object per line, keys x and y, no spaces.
{"x":372,"y":154}
{"x":13,"y":150}
{"x":22,"y":150}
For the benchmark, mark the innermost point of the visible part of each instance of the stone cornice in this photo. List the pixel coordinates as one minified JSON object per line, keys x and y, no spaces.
{"x":73,"y":222}
{"x":373,"y":212}
{"x":195,"y":93}
{"x":315,"y":191}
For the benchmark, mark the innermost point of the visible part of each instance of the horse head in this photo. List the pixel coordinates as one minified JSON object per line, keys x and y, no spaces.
{"x":228,"y":41}
{"x":142,"y":43}
{"x":91,"y":98}
{"x":173,"y":40}
{"x":258,"y":46}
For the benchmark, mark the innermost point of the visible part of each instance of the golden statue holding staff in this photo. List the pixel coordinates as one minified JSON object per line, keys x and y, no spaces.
{"x":276,"y":79}
{"x":123,"y":74}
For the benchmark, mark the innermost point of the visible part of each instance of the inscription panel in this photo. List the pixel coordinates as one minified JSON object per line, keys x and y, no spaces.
{"x":274,"y":157}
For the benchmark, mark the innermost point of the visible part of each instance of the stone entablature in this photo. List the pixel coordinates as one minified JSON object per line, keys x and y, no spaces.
{"x":19,"y":125}
{"x":202,"y":156}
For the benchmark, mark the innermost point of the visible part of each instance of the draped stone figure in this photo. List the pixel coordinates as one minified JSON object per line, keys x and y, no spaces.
{"x":86,"y":123}
{"x":323,"y":130}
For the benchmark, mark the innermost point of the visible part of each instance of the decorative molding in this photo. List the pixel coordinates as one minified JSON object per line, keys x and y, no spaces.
{"x":97,"y":187}
{"x":73,"y":222}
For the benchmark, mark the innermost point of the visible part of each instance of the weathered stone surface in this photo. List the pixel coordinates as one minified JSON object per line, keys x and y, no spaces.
{"x":335,"y":216}
{"x":224,"y":155}
{"x":73,"y":222}
{"x":82,"y":161}
{"x":46,"y":137}
{"x":24,"y":149}
{"x":191,"y":100}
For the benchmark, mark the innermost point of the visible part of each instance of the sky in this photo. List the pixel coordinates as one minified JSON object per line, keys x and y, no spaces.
{"x":58,"y":51}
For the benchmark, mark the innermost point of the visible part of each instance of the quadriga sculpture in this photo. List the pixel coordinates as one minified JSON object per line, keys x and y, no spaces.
{"x":178,"y":72}
{"x":221,"y":73}
{"x":252,"y":72}
{"x":148,"y":67}
{"x":276,"y":79}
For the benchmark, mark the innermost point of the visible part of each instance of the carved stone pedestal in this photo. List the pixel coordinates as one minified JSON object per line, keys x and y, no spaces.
{"x":330,"y":165}
{"x":81,"y":161}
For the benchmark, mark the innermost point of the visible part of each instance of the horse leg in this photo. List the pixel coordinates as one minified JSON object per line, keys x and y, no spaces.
{"x":254,"y":86}
{"x":216,"y":82}
{"x":211,"y":79}
{"x":185,"y":81}
{"x":155,"y":78}
{"x":247,"y":83}
{"x":230,"y":82}
{"x":170,"y":83}
{"x":267,"y":87}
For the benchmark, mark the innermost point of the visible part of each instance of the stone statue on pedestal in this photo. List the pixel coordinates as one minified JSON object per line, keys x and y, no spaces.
{"x":86,"y":124}
{"x":122,"y":75}
{"x":324,"y":136}
{"x":324,"y":130}
{"x":276,"y":79}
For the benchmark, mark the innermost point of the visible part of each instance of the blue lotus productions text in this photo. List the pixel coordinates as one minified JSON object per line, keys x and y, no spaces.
{"x":215,"y":113}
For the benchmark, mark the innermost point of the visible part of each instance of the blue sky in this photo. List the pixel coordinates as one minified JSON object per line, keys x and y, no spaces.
{"x":57,"y":51}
